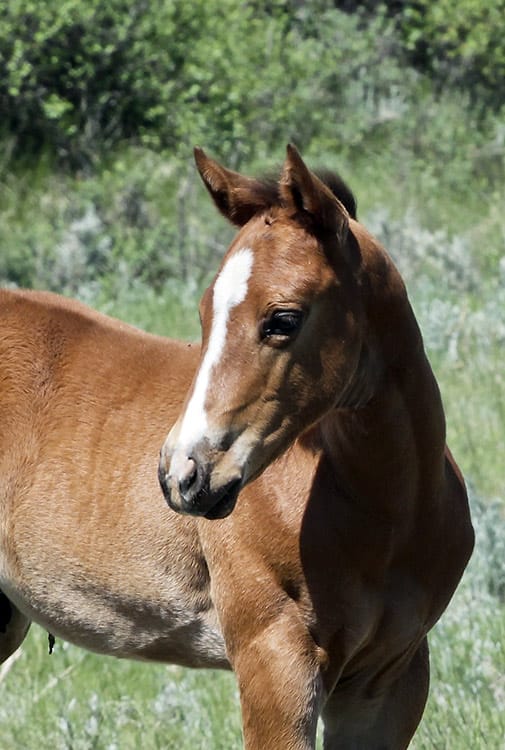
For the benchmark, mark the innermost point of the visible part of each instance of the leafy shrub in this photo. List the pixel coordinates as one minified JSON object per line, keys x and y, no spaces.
{"x":460,"y":42}
{"x":79,"y":76}
{"x":75,"y":75}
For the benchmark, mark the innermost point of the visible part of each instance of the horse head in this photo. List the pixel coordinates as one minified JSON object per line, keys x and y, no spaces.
{"x":281,"y":334}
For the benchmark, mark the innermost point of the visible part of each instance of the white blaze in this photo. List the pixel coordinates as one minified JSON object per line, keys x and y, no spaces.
{"x":230,"y":290}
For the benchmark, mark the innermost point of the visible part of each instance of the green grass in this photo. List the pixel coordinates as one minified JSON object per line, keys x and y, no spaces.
{"x":74,"y":699}
{"x":173,"y":313}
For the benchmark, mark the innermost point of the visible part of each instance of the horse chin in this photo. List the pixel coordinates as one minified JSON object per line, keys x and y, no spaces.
{"x":226,"y":501}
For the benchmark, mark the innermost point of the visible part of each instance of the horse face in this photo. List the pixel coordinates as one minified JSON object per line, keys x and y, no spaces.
{"x":281,"y":342}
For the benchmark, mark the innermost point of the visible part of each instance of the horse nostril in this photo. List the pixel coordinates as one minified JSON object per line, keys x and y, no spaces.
{"x":187,"y":476}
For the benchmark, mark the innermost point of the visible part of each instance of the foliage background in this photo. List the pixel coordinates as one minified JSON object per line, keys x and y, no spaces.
{"x":100,"y":106}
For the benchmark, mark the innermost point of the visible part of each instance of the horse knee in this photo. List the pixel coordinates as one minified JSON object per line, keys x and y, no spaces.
{"x":13,"y":627}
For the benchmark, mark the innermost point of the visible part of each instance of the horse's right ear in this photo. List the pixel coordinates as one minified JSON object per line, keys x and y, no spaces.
{"x":237,"y":197}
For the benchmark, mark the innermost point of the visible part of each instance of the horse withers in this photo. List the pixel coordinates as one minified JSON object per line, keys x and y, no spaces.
{"x":321,"y":526}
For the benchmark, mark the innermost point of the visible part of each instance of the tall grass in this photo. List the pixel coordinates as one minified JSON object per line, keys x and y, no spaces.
{"x":74,"y":699}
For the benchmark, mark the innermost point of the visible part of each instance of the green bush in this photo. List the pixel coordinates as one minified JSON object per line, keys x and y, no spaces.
{"x":460,"y":43}
{"x":79,"y":76}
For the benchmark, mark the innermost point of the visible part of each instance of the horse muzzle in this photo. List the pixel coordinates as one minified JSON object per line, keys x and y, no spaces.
{"x":191,"y":487}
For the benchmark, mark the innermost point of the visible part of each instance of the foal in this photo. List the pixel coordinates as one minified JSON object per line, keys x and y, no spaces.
{"x":321,"y":526}
{"x":314,"y":400}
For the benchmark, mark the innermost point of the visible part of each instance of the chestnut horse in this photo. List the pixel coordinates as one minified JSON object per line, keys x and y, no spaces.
{"x":322,"y":524}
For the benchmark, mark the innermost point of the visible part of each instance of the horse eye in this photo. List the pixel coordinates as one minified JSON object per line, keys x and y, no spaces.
{"x":285,"y":323}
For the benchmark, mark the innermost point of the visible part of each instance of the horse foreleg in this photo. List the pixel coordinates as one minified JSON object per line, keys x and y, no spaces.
{"x":13,"y":627}
{"x":354,"y":720}
{"x":280,"y":689}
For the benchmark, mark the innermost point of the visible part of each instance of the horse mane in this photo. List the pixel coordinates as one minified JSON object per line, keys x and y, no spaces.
{"x":340,"y":190}
{"x":269,"y":187}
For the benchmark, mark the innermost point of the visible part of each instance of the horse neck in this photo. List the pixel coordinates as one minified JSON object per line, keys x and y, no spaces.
{"x":387,"y":440}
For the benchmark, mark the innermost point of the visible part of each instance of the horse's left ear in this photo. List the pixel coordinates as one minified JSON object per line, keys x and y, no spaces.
{"x":302,"y":191}
{"x":237,"y":197}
